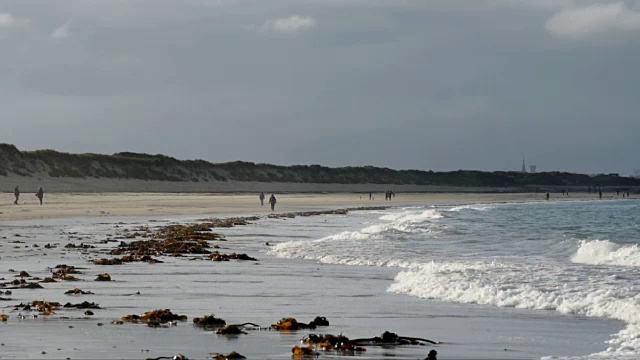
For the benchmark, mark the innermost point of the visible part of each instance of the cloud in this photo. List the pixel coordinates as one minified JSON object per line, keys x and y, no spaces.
{"x":584,"y":21}
{"x":537,"y":4}
{"x":62,"y":32}
{"x":290,"y":25}
{"x":7,"y":20}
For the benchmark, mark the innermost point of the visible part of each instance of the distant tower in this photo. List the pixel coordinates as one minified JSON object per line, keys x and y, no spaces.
{"x":524,"y":167}
{"x":532,"y":168}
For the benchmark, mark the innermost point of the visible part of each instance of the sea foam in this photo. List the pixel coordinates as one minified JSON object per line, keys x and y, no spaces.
{"x":477,"y":207}
{"x":366,"y":247}
{"x":605,"y":252}
{"x":536,"y":286}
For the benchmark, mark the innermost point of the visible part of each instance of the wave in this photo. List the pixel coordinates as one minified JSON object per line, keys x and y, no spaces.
{"x":477,"y":207}
{"x":366,"y":247}
{"x":357,"y":248}
{"x":605,"y":252}
{"x":537,"y":286}
{"x":411,"y":216}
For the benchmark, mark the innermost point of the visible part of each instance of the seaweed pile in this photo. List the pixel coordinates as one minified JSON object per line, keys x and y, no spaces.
{"x":152,"y":317}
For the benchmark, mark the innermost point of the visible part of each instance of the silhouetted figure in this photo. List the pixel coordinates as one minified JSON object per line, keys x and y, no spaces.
{"x":563,"y":192}
{"x":370,"y":197}
{"x":618,"y":192}
{"x":261,"y":199}
{"x":431,"y":355}
{"x":272,"y":201}
{"x":16,"y":193}
{"x":623,"y":194}
{"x":40,"y":195}
{"x":547,"y":196}
{"x":600,"y":194}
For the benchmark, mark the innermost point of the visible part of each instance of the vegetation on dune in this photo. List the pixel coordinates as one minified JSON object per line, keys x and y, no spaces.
{"x":129,"y":165}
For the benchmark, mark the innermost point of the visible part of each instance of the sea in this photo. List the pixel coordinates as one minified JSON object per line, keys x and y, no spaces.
{"x":526,"y":280}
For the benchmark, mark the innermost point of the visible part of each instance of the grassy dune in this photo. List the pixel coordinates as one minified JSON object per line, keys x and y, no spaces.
{"x":134,"y":166}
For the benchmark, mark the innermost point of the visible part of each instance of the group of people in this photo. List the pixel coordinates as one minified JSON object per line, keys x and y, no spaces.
{"x":16,"y":193}
{"x":388,"y":195}
{"x":272,"y":201}
{"x":627,"y":194}
{"x":597,"y":190}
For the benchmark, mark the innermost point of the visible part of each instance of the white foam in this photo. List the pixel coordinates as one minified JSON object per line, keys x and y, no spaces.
{"x":605,"y":252}
{"x":539,"y":286}
{"x":348,"y":248}
{"x":412,"y":216}
{"x":367,"y":247}
{"x":476,"y":207}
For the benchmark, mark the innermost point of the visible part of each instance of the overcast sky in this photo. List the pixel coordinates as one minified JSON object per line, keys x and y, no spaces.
{"x":424,"y":84}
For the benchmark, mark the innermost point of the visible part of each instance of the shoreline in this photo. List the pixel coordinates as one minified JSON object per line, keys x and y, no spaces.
{"x":71,"y":205}
{"x":262,"y":292}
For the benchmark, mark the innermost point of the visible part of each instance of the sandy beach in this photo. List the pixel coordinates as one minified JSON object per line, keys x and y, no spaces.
{"x":61,"y":205}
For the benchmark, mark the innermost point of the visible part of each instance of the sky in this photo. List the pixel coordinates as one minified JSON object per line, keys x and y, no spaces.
{"x":405,"y":84}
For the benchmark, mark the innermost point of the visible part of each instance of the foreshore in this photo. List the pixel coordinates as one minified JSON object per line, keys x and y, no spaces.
{"x":67,"y":205}
{"x":90,"y":232}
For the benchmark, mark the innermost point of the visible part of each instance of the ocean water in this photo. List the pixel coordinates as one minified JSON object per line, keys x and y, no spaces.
{"x":506,"y":281}
{"x":571,"y":258}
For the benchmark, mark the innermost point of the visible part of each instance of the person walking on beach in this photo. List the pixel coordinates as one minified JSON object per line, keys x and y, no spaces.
{"x":16,"y":193}
{"x":272,"y":201}
{"x":600,"y":194}
{"x":431,"y":355}
{"x":547,"y":196}
{"x":261,"y":199}
{"x":370,"y":196}
{"x":40,"y":195}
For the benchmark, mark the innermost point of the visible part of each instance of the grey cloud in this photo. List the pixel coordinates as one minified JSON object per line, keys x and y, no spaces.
{"x":405,"y":84}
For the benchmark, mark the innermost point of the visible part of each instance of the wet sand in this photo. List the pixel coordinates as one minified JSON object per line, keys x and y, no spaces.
{"x":63,"y":205}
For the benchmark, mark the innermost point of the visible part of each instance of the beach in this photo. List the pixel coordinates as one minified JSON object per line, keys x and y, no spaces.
{"x":61,"y":205}
{"x":363,"y":271}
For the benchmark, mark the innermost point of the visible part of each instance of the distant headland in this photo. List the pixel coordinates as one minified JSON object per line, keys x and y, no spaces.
{"x":127,"y":171}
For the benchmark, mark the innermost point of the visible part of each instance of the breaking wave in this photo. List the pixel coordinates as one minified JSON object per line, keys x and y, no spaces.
{"x":367,"y":247}
{"x":477,"y":207}
{"x":537,"y":286}
{"x":605,"y":252}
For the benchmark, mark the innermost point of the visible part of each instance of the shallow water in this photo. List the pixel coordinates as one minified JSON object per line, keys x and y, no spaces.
{"x":490,"y":281}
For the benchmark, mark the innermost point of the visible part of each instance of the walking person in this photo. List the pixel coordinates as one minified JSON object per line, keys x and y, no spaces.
{"x":40,"y":195}
{"x":261,"y":199}
{"x":272,"y":201}
{"x":16,"y":193}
